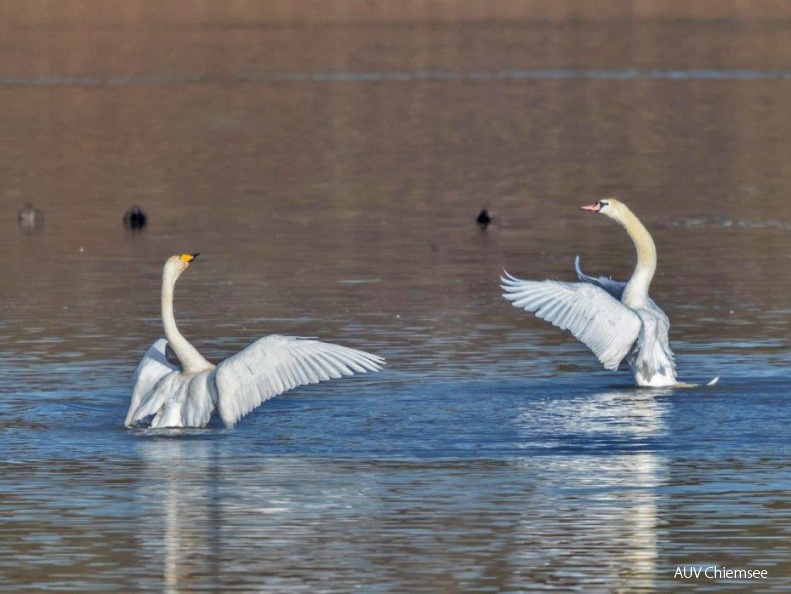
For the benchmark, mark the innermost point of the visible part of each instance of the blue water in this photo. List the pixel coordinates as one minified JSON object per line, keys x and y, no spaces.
{"x":390,"y":482}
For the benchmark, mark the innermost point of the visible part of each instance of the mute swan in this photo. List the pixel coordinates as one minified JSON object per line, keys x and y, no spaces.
{"x":613,"y":319}
{"x":186,"y":396}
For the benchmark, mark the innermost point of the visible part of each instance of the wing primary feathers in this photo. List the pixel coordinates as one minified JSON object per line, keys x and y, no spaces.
{"x":596,"y":318}
{"x":275,"y":364}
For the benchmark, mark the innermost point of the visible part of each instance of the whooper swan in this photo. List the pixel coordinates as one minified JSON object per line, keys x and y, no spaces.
{"x":186,"y":396}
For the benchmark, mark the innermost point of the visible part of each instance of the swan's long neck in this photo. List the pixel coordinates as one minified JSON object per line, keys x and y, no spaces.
{"x":191,"y":360}
{"x":636,"y":293}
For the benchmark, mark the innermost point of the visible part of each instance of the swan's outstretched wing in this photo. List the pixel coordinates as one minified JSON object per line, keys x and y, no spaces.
{"x":613,"y":287}
{"x":274,"y":364}
{"x":153,"y":367}
{"x":601,"y":322}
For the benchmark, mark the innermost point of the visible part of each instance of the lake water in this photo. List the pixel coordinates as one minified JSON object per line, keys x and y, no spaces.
{"x":328,"y":160}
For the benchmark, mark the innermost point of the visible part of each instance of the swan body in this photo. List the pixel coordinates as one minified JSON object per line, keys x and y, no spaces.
{"x":187,"y":395}
{"x":615,"y":320}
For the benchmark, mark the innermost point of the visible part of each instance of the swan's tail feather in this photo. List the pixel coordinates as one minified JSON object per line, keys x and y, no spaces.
{"x":686,"y":385}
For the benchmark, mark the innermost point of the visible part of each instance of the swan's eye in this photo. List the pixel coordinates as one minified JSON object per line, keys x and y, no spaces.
{"x":602,"y":204}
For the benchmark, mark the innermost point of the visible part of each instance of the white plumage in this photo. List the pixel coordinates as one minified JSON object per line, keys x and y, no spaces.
{"x":274,"y":364}
{"x":186,"y":396}
{"x":614,"y":320}
{"x":603,"y":324}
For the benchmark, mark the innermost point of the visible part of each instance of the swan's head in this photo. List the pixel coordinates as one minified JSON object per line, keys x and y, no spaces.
{"x":175,"y":265}
{"x":607,"y":206}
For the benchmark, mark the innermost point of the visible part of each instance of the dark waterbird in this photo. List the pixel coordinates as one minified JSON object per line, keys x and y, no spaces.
{"x":484,"y":218}
{"x":135,"y":218}
{"x":31,"y":220}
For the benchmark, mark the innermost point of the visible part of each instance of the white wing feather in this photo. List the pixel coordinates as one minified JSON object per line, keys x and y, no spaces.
{"x":274,"y":364}
{"x":598,"y":320}
{"x":152,"y":368}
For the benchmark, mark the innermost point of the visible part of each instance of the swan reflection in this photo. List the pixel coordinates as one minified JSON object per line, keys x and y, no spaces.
{"x":215,"y":520}
{"x":183,"y":519}
{"x":581,"y":500}
{"x":603,"y":493}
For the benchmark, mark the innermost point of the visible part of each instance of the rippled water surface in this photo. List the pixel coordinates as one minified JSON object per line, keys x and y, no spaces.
{"x":328,"y":160}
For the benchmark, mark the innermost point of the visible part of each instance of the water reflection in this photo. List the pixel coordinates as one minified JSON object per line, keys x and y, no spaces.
{"x":271,"y":522}
{"x":182,"y":524}
{"x":502,"y":490}
{"x":629,"y":417}
{"x":589,"y":505}
{"x":608,"y":481}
